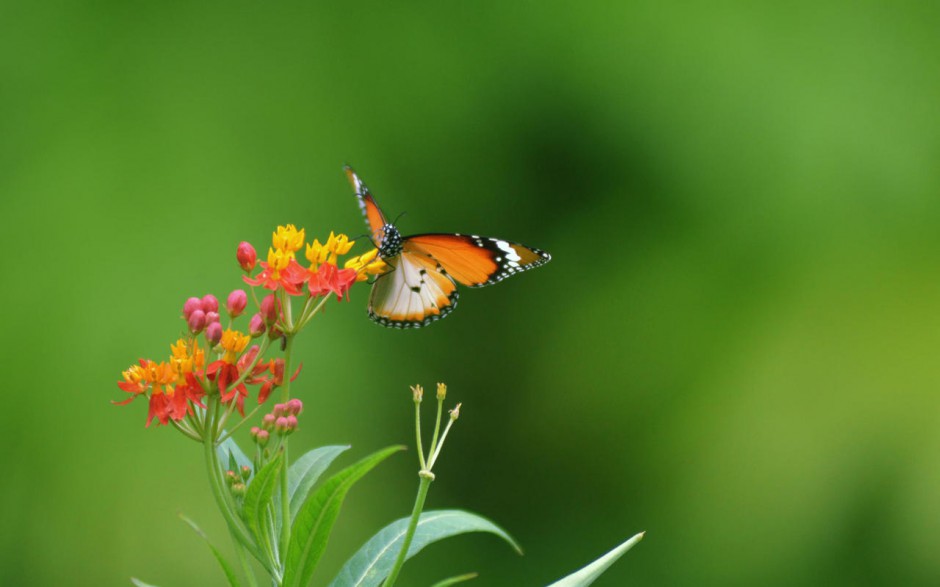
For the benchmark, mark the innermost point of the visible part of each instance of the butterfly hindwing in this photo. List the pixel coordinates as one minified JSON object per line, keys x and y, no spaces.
{"x":476,"y":261}
{"x":416,"y":292}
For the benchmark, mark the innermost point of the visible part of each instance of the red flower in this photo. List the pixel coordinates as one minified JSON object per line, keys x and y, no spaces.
{"x":329,"y":278}
{"x":280,"y":271}
{"x":276,"y":378}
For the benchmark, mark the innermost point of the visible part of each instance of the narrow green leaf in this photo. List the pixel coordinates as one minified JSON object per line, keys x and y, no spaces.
{"x":316,"y":517}
{"x":226,"y":568}
{"x":305,"y":472}
{"x":258,"y":497}
{"x":590,"y":573}
{"x":231,"y":455}
{"x":374,"y":561}
{"x":140,"y":583}
{"x":455,"y":580}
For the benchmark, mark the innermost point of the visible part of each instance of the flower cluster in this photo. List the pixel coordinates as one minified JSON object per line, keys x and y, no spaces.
{"x":220,"y":362}
{"x":321,"y":277}
{"x":174,"y":387}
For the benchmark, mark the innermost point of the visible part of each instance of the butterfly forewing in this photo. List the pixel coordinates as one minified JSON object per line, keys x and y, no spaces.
{"x":416,"y":292}
{"x":473,"y":260}
{"x":374,"y":216}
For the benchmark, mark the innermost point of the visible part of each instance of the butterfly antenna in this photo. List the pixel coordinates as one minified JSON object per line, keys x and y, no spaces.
{"x":397,"y":218}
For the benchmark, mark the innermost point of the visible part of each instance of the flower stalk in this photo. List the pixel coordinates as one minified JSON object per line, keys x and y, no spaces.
{"x":424,"y":474}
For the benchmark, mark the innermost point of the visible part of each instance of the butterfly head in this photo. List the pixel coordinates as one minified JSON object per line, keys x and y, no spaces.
{"x":391,"y":242}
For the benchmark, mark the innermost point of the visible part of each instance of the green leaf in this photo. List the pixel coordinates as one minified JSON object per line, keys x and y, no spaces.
{"x":455,"y":580}
{"x":374,"y":561}
{"x":140,"y":583}
{"x":258,"y":497}
{"x":305,"y":472}
{"x":231,"y":455}
{"x":590,"y":573}
{"x":226,"y":568}
{"x":316,"y":517}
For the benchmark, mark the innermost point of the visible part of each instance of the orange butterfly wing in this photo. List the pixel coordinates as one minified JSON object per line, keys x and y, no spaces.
{"x":374,"y":216}
{"x":474,"y":260}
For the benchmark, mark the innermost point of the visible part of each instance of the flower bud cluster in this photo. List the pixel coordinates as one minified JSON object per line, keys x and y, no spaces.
{"x":282,"y":420}
{"x":203,"y":314}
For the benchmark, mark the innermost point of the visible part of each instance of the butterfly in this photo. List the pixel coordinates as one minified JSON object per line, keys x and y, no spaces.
{"x":424,"y":269}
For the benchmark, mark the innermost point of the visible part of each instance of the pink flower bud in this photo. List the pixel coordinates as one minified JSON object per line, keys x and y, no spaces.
{"x":291,"y":423}
{"x":270,"y":309}
{"x":238,"y":489}
{"x":263,"y":437}
{"x":256,"y":326}
{"x":210,"y":303}
{"x":212,"y":317}
{"x":236,"y":302}
{"x":295,"y":406}
{"x":230,"y":477}
{"x":279,"y":410}
{"x":196,"y":321}
{"x":281,"y":425}
{"x":246,"y":255}
{"x":214,"y":333}
{"x":191,"y":305}
{"x":246,"y":472}
{"x":267,"y":422}
{"x":254,"y":431}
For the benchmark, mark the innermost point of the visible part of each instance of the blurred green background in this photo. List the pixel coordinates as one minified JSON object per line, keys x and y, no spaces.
{"x":734,"y":347}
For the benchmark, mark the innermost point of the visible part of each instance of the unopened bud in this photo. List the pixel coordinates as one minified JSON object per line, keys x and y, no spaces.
{"x":270,"y":309}
{"x":279,"y":410}
{"x":210,"y":303}
{"x":246,"y":255}
{"x":256,"y":326}
{"x":254,"y":431}
{"x":291,"y":423}
{"x":455,"y":413}
{"x":214,"y":333}
{"x":196,"y":321}
{"x":236,"y":302}
{"x":441,"y":391}
{"x":295,"y":406}
{"x":267,"y":422}
{"x":262,"y":437}
{"x":417,"y":392}
{"x":212,"y":317}
{"x":281,"y":425}
{"x":238,"y":489}
{"x":230,"y":477}
{"x":246,"y":472}
{"x":190,"y":306}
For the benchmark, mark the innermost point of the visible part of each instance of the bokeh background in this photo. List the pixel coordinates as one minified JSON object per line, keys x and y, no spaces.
{"x":733,"y":349}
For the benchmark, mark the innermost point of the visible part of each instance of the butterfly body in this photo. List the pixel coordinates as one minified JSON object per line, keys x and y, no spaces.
{"x":421,"y":285}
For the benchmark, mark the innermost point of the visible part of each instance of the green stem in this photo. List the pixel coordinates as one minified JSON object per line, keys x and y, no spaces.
{"x":426,"y":478}
{"x":418,"y":435}
{"x":285,"y":502}
{"x":437,"y":428}
{"x":230,"y":431}
{"x":440,"y":445}
{"x":236,"y":527}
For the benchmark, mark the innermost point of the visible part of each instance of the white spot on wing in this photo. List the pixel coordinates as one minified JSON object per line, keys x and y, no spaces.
{"x":511,"y":256}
